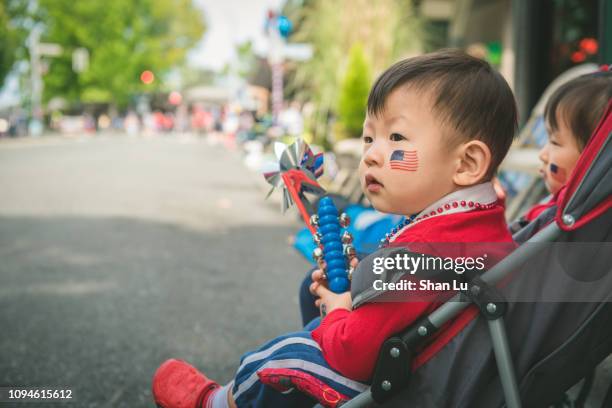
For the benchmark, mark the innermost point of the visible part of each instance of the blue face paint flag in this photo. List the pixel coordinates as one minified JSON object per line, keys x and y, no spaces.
{"x":558,"y":173}
{"x":406,"y":160}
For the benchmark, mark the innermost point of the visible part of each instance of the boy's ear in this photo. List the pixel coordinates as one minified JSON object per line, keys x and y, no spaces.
{"x":474,"y":162}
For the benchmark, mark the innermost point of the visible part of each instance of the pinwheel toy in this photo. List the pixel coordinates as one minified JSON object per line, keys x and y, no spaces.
{"x":297,"y":172}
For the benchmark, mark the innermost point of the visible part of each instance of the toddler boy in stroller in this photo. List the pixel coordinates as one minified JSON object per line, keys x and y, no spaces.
{"x":437,"y":127}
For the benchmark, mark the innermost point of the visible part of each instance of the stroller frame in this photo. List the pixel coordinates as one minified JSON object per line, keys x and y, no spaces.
{"x":390,"y":376}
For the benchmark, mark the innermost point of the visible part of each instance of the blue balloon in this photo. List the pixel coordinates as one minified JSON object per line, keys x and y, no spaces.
{"x":284,"y":26}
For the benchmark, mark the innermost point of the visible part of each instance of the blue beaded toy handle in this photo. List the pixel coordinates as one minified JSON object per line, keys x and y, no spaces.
{"x":334,"y":245}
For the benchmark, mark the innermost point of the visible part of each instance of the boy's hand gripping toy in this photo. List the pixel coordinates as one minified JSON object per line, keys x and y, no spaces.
{"x":332,"y":246}
{"x":297,"y":172}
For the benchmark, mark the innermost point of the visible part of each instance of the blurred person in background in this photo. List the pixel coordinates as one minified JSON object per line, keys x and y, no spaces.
{"x":291,"y":120}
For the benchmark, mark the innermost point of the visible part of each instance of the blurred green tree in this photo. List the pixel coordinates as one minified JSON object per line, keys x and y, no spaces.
{"x":7,"y":45}
{"x":387,"y":29}
{"x":123,"y":38}
{"x":354,"y":93}
{"x":246,"y":58}
{"x":11,"y":36}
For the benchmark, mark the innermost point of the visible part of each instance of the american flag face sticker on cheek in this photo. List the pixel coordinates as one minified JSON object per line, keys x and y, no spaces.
{"x":405,"y":160}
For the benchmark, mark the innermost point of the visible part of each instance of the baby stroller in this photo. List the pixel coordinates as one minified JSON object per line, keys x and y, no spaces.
{"x":558,"y":314}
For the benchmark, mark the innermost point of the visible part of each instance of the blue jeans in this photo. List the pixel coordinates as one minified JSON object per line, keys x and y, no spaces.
{"x":308,"y":309}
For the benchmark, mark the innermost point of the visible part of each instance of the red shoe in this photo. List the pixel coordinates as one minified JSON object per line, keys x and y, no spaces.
{"x":177,"y":384}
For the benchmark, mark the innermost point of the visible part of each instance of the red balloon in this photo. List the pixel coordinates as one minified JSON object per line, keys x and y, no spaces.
{"x":589,"y":45}
{"x":147,"y":77}
{"x":175,"y":98}
{"x":578,"y":56}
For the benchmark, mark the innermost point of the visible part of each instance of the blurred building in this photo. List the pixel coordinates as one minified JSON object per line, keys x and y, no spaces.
{"x":530,"y":41}
{"x":208,"y":95}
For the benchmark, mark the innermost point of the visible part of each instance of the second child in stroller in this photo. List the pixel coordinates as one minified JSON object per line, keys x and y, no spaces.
{"x":571,"y":115}
{"x":437,"y":128}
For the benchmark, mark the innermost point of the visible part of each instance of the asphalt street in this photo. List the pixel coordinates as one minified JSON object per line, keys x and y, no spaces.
{"x":117,"y":253}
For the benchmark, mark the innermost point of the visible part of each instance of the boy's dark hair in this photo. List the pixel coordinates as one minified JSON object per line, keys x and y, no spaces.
{"x":580,"y":103}
{"x":468,"y":95}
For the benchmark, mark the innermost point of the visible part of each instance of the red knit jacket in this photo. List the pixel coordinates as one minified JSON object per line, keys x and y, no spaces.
{"x":350,"y":340}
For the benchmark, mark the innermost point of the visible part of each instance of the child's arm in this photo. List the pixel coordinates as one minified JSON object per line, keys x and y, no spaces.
{"x":350,"y":340}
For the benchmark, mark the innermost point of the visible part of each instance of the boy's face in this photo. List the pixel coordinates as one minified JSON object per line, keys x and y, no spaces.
{"x":559,"y":156}
{"x":406,"y":163}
